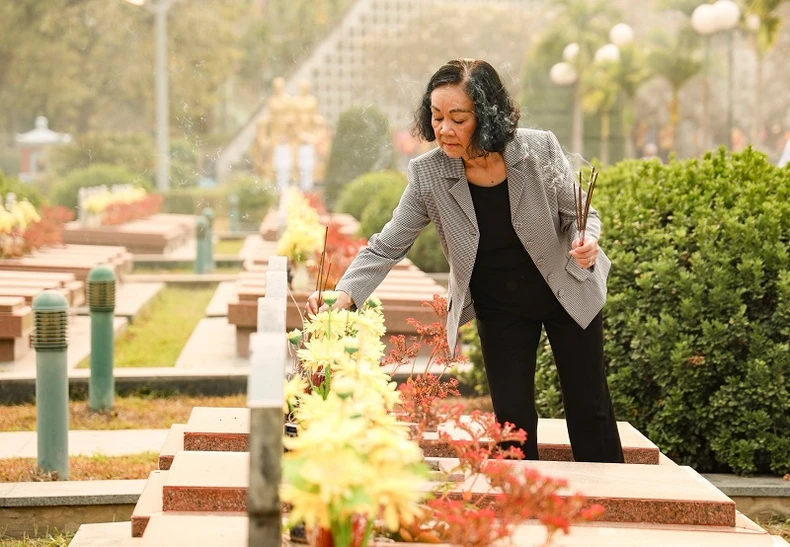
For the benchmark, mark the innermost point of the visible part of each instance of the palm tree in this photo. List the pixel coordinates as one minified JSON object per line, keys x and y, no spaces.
{"x":600,"y":98}
{"x":629,"y":75}
{"x":674,"y":60}
{"x":586,"y":23}
{"x":763,"y":40}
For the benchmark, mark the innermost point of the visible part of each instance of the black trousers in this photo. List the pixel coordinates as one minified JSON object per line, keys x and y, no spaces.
{"x":510,"y":341}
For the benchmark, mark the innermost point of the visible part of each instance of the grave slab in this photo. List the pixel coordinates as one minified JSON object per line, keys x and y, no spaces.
{"x":207,"y":482}
{"x":228,"y":429}
{"x":658,"y":494}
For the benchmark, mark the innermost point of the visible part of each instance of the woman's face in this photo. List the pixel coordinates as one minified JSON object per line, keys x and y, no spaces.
{"x":453,"y":120}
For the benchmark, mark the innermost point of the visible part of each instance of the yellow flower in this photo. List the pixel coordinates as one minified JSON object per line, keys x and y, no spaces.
{"x":295,"y":388}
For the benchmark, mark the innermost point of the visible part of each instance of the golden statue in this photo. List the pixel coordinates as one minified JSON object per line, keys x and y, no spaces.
{"x":292,"y":140}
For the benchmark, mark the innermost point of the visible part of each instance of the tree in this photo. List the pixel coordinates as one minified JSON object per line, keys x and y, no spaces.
{"x":630,"y":73}
{"x":362,"y":144}
{"x":601,"y":96}
{"x":585,"y":23}
{"x":88,"y":64}
{"x":763,"y":40}
{"x":673,"y":59}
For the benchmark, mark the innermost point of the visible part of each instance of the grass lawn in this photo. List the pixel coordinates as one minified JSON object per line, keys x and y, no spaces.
{"x":83,"y":468}
{"x":128,"y":413}
{"x":157,"y":338}
{"x":56,"y":540}
{"x":228,"y":246}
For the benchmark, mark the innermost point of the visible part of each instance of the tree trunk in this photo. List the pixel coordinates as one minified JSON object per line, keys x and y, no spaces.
{"x":757,"y":122}
{"x":605,"y":131}
{"x":628,"y":128}
{"x":577,"y":127}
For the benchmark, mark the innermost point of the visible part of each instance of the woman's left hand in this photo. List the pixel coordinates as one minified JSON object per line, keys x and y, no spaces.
{"x":585,"y":255}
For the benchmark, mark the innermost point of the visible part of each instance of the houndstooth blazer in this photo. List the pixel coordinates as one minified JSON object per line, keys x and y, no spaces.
{"x":540,"y":184}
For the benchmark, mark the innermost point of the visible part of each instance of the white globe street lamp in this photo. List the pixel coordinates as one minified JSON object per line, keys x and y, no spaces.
{"x":563,"y":74}
{"x":704,"y":19}
{"x":727,"y":14}
{"x":609,"y":53}
{"x":621,"y":35}
{"x":570,"y":52}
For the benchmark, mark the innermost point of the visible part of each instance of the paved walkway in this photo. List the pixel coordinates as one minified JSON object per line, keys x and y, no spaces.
{"x":24,"y":444}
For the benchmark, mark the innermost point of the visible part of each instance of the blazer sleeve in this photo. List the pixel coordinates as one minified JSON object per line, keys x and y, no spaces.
{"x":564,"y":181}
{"x":388,"y":247}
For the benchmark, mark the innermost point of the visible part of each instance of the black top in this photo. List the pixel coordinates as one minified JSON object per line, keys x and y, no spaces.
{"x":504,"y":278}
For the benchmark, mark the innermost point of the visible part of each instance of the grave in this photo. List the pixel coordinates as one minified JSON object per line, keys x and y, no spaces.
{"x":205,"y":497}
{"x":157,"y":234}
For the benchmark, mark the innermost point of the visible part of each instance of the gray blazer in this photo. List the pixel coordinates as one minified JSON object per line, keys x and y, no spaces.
{"x":540,"y":181}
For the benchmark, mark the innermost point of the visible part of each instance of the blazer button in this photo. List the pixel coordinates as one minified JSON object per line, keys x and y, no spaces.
{"x":548,"y":277}
{"x":540,"y":260}
{"x":517,"y":225}
{"x":560,"y":293}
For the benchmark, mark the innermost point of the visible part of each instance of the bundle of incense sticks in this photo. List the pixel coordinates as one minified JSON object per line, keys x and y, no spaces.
{"x":321,"y":279}
{"x":582,"y":205}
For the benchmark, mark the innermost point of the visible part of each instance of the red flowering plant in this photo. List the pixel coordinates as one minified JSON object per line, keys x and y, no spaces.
{"x":339,"y":250}
{"x":120,"y":212}
{"x":495,"y":496}
{"x":48,"y":230}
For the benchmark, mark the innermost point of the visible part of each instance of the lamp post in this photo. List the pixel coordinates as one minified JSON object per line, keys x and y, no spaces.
{"x":160,"y":8}
{"x":564,"y":74}
{"x":707,"y":19}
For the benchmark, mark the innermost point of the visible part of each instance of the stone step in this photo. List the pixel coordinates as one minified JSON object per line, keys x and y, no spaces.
{"x":207,"y":482}
{"x":173,"y":443}
{"x":659,"y":494}
{"x":228,"y":429}
{"x":149,"y":503}
{"x":231,"y":531}
{"x":103,"y":534}
{"x":656,"y":494}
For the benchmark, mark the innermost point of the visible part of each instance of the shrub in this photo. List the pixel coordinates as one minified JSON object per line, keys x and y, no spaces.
{"x":362,"y":143}
{"x":697,"y":321}
{"x":256,"y":197}
{"x":356,"y":195}
{"x":426,"y":253}
{"x":65,"y":193}
{"x":135,"y":152}
{"x":22,"y":190}
{"x":698,"y":318}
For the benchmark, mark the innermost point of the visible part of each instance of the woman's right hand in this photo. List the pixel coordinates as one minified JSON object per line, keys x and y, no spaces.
{"x":343,"y":302}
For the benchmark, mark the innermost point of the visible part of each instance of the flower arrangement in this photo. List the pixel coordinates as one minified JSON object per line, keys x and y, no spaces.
{"x":99,"y":202}
{"x":354,"y":469}
{"x":122,"y":203}
{"x":351,"y":462}
{"x":304,"y":234}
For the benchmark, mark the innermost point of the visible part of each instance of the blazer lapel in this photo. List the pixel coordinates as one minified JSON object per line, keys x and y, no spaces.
{"x":516,"y":152}
{"x":459,"y":187}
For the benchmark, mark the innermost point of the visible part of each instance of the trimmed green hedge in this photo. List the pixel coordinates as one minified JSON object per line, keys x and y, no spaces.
{"x":255,"y":200}
{"x":372,"y":197}
{"x":362,"y":143}
{"x":65,"y":192}
{"x":697,"y":322}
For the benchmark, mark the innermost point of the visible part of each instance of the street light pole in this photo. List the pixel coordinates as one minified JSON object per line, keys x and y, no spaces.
{"x":162,"y":100}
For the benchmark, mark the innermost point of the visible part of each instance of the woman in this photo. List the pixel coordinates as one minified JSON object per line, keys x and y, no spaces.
{"x":501,"y":199}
